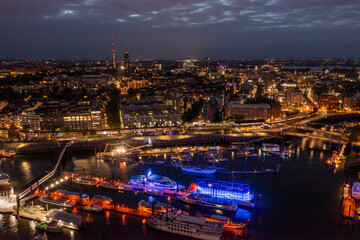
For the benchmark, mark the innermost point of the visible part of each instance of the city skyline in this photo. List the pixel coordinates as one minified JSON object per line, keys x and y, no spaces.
{"x":220,"y":29}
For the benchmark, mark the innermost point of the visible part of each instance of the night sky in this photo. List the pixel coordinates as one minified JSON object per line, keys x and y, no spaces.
{"x":175,"y":29}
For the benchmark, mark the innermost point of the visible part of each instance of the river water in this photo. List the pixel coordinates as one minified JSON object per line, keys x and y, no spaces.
{"x":303,"y":202}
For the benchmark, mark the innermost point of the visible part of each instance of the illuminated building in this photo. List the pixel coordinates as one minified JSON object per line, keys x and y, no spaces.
{"x":30,"y":120}
{"x":149,"y":115}
{"x":188,"y":63}
{"x":266,"y":111}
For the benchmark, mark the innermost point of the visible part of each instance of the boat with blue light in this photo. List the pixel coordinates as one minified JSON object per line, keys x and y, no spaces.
{"x":355,"y":190}
{"x":154,"y":192}
{"x":210,"y":202}
{"x":269,"y":147}
{"x":155,"y":181}
{"x":238,"y":192}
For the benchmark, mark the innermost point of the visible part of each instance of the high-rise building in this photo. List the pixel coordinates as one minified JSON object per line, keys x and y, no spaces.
{"x":188,"y":63}
{"x":207,"y":64}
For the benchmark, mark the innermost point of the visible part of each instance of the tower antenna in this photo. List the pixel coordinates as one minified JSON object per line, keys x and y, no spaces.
{"x":113,"y":51}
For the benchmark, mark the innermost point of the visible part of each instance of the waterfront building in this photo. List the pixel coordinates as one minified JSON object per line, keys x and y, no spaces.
{"x":266,"y":111}
{"x":29,"y":120}
{"x":141,"y":114}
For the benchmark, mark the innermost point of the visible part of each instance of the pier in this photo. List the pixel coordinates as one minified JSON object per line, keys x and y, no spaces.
{"x":266,"y":171}
{"x":38,"y":181}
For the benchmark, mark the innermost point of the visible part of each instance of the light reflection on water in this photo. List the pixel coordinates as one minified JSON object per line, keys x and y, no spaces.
{"x":280,"y":194}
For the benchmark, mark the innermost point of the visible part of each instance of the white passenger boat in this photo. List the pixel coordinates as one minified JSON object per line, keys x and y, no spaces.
{"x":210,"y":202}
{"x":4,"y":179}
{"x":116,"y":186}
{"x":157,"y":206}
{"x":86,"y":181}
{"x":198,"y":169}
{"x":185,"y":225}
{"x":355,"y":190}
{"x":154,"y":181}
{"x":57,"y":201}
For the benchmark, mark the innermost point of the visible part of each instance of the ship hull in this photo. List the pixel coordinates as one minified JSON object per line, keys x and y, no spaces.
{"x":161,"y":227}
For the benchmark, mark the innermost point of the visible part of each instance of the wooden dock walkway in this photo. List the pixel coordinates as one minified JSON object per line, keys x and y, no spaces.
{"x":131,"y":211}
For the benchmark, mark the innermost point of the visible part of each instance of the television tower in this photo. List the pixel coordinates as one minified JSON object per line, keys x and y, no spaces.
{"x":113,"y":51}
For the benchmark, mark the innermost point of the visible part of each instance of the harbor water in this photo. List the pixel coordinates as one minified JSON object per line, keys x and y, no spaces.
{"x":302,"y":202}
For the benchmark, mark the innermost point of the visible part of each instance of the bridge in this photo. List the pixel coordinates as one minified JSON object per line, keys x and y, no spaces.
{"x":41,"y":179}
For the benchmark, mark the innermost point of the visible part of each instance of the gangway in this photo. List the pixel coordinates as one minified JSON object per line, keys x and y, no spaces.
{"x":37,"y":183}
{"x":128,"y":146}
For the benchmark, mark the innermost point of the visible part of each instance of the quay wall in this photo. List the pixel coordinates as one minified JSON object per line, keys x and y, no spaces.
{"x":96,"y":144}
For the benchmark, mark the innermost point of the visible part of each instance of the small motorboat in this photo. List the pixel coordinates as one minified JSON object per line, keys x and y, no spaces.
{"x":52,"y":226}
{"x":116,"y":185}
{"x":86,"y":181}
{"x":157,"y":206}
{"x":4,"y":179}
{"x":7,"y":154}
{"x":355,"y":190}
{"x":93,"y":208}
{"x":153,"y":192}
{"x":101,"y":199}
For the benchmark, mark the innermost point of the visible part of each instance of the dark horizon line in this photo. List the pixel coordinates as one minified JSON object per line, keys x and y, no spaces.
{"x":180,"y":59}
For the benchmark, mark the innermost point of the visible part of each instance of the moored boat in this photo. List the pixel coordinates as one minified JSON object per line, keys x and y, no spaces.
{"x":116,"y":186}
{"x":355,"y":190}
{"x":52,"y":226}
{"x":185,"y":225}
{"x":198,"y":169}
{"x":7,"y":154}
{"x":4,"y":179}
{"x":157,"y":206}
{"x":217,"y":203}
{"x":86,"y":181}
{"x":57,"y":201}
{"x":93,"y":208}
{"x":269,"y":147}
{"x":75,"y":196}
{"x":153,"y":192}
{"x":119,"y":154}
{"x":154,"y":181}
{"x":101,"y":200}
{"x":223,"y":189}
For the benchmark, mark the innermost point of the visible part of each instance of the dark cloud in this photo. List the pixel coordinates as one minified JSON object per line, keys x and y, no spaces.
{"x":178,"y":29}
